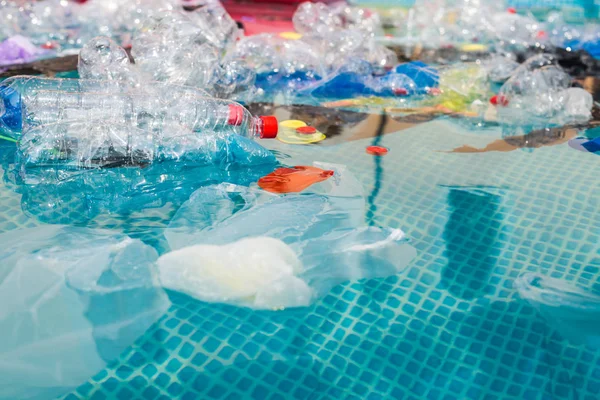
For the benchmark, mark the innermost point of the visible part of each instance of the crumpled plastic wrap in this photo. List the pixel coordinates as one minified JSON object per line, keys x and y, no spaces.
{"x":500,"y":67}
{"x":540,"y":92}
{"x":286,"y":251}
{"x":460,"y":85}
{"x":72,"y":300}
{"x":56,"y":195}
{"x":18,"y":49}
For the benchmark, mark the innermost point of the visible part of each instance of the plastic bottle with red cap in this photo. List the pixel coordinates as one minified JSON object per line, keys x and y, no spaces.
{"x":157,"y":108}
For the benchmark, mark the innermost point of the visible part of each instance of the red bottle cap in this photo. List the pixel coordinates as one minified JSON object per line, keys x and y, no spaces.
{"x":499,"y":100}
{"x":512,"y":10}
{"x":270,"y":127}
{"x":377,"y":150}
{"x":400,"y":92}
{"x":236,"y":114}
{"x":306,"y":130}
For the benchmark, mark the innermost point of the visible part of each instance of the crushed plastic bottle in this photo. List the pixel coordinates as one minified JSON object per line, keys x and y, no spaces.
{"x":73,"y":299}
{"x":308,"y":243}
{"x":316,"y":18}
{"x":66,"y":25}
{"x":38,"y":101}
{"x":175,"y":48}
{"x":216,"y":24}
{"x":500,"y":67}
{"x":103,"y":143}
{"x":169,"y":47}
{"x":103,"y":59}
{"x":539,"y":92}
{"x":339,"y":33}
{"x":280,"y":64}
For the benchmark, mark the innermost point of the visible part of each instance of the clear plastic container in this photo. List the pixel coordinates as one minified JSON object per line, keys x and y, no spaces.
{"x":29,"y":102}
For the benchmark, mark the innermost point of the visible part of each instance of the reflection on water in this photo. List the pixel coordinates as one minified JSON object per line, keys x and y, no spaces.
{"x":470,"y":235}
{"x":534,"y":139}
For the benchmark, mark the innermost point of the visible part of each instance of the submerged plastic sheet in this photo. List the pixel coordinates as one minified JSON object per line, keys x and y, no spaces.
{"x":72,"y":300}
{"x":225,"y":213}
{"x":60,"y":195}
{"x":574,"y":311}
{"x":242,"y":246}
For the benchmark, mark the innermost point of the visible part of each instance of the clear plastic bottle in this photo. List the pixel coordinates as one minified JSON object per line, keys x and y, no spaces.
{"x":29,"y":102}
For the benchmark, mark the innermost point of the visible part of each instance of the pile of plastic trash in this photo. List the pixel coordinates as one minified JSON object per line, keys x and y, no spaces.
{"x":59,"y":26}
{"x":336,"y":51}
{"x":166,"y":131}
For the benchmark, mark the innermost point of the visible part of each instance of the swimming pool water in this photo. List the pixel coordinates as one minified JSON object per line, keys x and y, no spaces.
{"x":449,"y":327}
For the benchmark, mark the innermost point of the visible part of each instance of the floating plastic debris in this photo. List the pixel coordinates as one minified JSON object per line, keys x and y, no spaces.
{"x":539,"y":91}
{"x":459,"y":86}
{"x":298,"y":132}
{"x":67,"y":25}
{"x":585,"y":144}
{"x":500,"y":68}
{"x":72,"y":300}
{"x":214,"y":209}
{"x":377,"y":150}
{"x":302,"y":245}
{"x":176,"y":48}
{"x":567,"y":307}
{"x":294,"y":179}
{"x":18,"y":49}
{"x":261,"y":272}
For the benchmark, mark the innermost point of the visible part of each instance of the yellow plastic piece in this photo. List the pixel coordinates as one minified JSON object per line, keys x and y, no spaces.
{"x":287,"y":133}
{"x":290,"y":35}
{"x":292,"y":123}
{"x":473,"y":47}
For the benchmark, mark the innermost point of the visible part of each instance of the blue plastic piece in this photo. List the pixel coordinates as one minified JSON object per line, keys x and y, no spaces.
{"x":297,"y":81}
{"x":592,"y":146}
{"x":12,"y":117}
{"x":344,"y":85}
{"x":422,"y":74}
{"x":592,"y":46}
